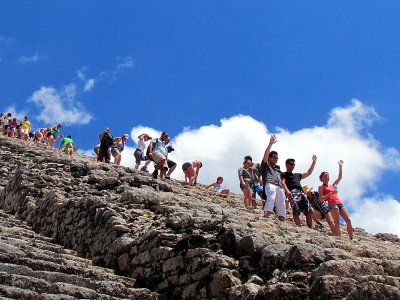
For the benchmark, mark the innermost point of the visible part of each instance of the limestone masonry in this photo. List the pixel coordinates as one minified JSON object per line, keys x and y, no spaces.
{"x":72,"y":228}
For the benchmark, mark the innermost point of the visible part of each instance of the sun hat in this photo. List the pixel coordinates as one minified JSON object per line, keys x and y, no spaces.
{"x":307,"y":188}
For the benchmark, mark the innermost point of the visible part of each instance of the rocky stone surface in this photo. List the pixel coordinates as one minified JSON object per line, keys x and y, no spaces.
{"x":181,"y":242}
{"x":32,"y":267}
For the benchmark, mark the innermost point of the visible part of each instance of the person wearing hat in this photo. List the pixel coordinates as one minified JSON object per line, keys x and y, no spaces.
{"x":140,"y":151}
{"x":320,"y":209}
{"x":294,"y":192}
{"x":118,"y":147}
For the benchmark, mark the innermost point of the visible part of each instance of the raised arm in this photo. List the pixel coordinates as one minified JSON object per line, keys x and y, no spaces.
{"x":273,"y":139}
{"x":340,"y":163}
{"x":142,"y":136}
{"x":311,"y":168}
{"x":100,"y":136}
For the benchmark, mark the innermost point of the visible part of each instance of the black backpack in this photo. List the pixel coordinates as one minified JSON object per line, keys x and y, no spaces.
{"x":153,"y":143}
{"x":107,"y":140}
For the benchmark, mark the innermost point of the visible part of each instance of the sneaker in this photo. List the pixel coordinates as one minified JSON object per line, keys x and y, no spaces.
{"x":144,"y":169}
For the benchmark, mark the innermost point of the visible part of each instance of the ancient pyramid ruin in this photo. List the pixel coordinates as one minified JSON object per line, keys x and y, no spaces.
{"x":72,"y":228}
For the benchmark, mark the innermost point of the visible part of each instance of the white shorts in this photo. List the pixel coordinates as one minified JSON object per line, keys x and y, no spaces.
{"x":23,"y":131}
{"x":275,"y":197}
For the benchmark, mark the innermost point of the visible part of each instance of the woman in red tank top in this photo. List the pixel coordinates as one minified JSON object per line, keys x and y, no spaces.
{"x":336,"y":208}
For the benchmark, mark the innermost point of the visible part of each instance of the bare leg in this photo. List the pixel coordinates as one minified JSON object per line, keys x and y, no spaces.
{"x":316,"y":215}
{"x":336,"y":218}
{"x":171,"y":170}
{"x":296,"y":218}
{"x":162,"y":173}
{"x":224,"y":193}
{"x":163,"y":170}
{"x":247,"y":196}
{"x":309,"y":219}
{"x":331,"y":223}
{"x":191,"y":174}
{"x":345,"y":214}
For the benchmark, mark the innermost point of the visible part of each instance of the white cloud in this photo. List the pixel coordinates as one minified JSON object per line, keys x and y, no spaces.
{"x":86,"y":152}
{"x":345,"y":136}
{"x":353,"y":118}
{"x":60,"y":106}
{"x":29,"y":59}
{"x":379,"y":213}
{"x":125,"y":62}
{"x":15,"y":114}
{"x":88,"y":83}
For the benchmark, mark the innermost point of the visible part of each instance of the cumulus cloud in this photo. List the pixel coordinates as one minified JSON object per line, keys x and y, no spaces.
{"x":345,"y":136}
{"x":88,"y":83}
{"x":60,"y":106}
{"x":379,"y":213}
{"x":354,"y":118}
{"x":29,"y":59}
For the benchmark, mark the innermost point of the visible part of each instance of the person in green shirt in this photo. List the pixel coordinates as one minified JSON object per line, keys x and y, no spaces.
{"x":67,"y":145}
{"x":53,"y":134}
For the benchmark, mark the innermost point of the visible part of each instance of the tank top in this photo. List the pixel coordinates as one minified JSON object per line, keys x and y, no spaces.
{"x":332,"y":199}
{"x":217,"y":187}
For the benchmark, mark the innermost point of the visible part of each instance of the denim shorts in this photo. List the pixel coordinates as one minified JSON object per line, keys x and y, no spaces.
{"x":256,"y":189}
{"x":339,"y":206}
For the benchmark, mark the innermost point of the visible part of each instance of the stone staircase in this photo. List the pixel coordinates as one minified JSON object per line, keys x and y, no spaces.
{"x":177,"y":241}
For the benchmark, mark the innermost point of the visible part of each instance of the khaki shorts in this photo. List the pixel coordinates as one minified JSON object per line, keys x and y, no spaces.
{"x":158,"y":157}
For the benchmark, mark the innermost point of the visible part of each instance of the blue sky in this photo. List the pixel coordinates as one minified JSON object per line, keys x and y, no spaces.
{"x":180,"y":65}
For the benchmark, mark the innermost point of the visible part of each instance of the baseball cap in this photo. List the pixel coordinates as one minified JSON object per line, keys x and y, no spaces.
{"x":126,"y":136}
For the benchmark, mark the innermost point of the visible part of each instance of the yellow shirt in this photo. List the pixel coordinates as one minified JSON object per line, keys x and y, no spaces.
{"x":25,"y":125}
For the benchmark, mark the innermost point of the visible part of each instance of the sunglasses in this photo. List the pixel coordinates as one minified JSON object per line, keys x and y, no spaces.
{"x":274,"y":157}
{"x":292,"y":164}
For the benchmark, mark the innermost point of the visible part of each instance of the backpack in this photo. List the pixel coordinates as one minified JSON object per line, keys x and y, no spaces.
{"x":107,"y":140}
{"x":153,"y":143}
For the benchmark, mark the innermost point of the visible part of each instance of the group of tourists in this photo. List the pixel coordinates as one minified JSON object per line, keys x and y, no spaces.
{"x":155,"y":152}
{"x":263,"y":181}
{"x":278,"y":189}
{"x":12,"y":127}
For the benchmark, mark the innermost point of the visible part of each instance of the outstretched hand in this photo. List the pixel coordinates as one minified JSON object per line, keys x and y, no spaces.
{"x":273,"y":139}
{"x":314,"y":158}
{"x":340,"y":162}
